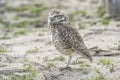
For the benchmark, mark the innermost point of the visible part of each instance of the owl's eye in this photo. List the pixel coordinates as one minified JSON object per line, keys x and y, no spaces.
{"x":57,"y":16}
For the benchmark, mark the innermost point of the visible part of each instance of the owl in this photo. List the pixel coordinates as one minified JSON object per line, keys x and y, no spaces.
{"x":65,"y":38}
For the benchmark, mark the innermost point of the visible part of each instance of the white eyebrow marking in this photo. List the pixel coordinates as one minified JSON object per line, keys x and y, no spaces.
{"x":49,"y":14}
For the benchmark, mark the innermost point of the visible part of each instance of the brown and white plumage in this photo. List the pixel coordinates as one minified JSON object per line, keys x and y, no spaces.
{"x":65,"y":38}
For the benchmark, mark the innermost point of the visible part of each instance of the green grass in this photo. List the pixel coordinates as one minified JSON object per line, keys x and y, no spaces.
{"x":97,"y":70}
{"x":16,"y":18}
{"x":20,"y":8}
{"x":17,"y":77}
{"x":3,"y":49}
{"x":105,"y":21}
{"x":28,"y":67}
{"x":112,"y":68}
{"x":80,"y":63}
{"x":100,"y":11}
{"x":77,"y":12}
{"x":20,"y":32}
{"x":39,"y":10}
{"x":84,"y":64}
{"x":74,"y":62}
{"x":29,"y":76}
{"x":82,"y":25}
{"x":97,"y":77}
{"x":50,"y":64}
{"x":11,"y":8}
{"x":22,"y":24}
{"x":4,"y":21}
{"x":45,"y":29}
{"x":6,"y":36}
{"x":105,"y":61}
{"x":31,"y":8}
{"x":33,"y":50}
{"x":59,"y":58}
{"x":25,"y":23}
{"x":33,"y":70}
{"x":85,"y":72}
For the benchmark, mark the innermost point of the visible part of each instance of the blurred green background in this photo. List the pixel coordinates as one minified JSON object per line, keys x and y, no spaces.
{"x":18,"y":17}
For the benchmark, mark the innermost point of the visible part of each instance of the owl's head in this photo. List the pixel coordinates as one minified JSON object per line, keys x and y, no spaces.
{"x":57,"y":16}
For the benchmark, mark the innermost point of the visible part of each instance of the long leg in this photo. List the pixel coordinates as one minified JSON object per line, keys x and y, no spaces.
{"x":67,"y":66}
{"x":69,"y":60}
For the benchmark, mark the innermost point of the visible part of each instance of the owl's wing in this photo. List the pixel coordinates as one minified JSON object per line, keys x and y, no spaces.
{"x":77,"y":43}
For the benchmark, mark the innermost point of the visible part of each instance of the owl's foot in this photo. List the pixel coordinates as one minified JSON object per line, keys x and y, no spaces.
{"x":67,"y":66}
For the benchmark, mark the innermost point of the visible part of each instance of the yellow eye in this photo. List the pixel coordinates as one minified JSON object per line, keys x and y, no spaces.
{"x":58,"y":17}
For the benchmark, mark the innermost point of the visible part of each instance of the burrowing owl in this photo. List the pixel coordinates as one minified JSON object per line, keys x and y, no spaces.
{"x":65,"y":38}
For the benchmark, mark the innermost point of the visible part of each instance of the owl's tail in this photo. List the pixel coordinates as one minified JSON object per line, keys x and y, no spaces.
{"x":86,"y":54}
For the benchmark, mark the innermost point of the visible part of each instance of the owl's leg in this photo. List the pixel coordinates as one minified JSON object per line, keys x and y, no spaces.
{"x":67,"y":66}
{"x":69,"y":60}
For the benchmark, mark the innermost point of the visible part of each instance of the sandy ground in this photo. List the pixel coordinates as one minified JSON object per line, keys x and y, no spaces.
{"x":33,"y":54}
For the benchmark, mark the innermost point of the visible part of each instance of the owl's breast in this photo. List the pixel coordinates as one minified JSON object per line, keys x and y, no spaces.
{"x":62,"y":46}
{"x":60,"y":39}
